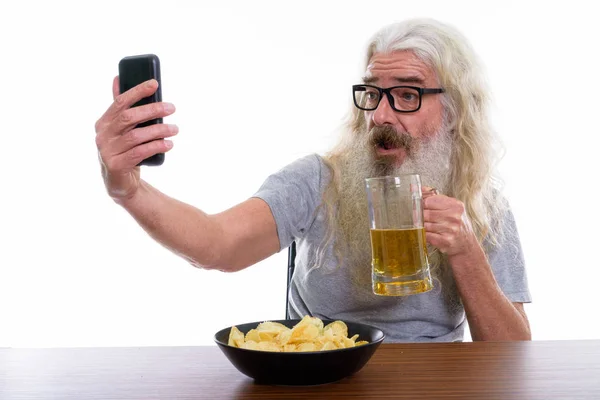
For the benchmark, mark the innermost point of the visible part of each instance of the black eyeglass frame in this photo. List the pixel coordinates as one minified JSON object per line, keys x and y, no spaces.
{"x":388,"y":94}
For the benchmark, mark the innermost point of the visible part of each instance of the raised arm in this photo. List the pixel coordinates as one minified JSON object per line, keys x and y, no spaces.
{"x":228,"y":241}
{"x":491,"y":315}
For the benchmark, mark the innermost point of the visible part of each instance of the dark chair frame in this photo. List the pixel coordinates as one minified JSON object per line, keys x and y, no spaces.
{"x":290,"y":274}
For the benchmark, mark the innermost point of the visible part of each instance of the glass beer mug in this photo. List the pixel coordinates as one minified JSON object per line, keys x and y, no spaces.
{"x":400,"y":263}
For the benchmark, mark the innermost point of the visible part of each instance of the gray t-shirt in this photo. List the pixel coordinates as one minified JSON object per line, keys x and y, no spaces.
{"x":294,"y":193}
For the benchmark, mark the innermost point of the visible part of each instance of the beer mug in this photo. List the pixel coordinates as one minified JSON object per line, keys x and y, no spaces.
{"x":400,"y":263}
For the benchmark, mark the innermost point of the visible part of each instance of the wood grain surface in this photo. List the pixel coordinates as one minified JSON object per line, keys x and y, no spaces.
{"x":492,"y":370}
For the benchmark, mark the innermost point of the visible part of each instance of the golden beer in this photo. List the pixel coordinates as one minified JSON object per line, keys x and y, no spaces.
{"x":400,"y":264}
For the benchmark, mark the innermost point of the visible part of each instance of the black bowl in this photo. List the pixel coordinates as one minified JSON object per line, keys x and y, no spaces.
{"x":301,"y":368}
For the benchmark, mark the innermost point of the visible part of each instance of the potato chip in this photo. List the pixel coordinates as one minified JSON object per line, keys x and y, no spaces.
{"x":314,"y":321}
{"x":271,"y":327}
{"x":304,"y":332}
{"x":307,"y":346}
{"x":284,"y":337}
{"x":236,"y":338}
{"x":327,"y":336}
{"x":250,"y":345}
{"x":329,"y":346}
{"x":345,"y":342}
{"x":269,"y":346}
{"x":260,"y":336}
{"x":289,"y":348}
{"x":307,"y":335}
{"x":338,"y":328}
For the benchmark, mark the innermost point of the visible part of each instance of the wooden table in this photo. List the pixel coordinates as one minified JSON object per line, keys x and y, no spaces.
{"x":493,"y":370}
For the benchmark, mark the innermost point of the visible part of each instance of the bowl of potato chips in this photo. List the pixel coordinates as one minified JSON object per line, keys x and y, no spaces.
{"x":307,"y":351}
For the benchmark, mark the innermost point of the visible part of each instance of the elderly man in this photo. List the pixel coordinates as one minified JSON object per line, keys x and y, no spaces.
{"x":421,"y":107}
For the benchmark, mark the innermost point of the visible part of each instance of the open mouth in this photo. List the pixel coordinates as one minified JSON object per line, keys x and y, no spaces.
{"x":384,"y":144}
{"x":387,"y":140}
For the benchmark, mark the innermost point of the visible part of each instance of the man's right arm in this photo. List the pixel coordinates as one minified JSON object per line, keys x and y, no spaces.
{"x":228,"y":241}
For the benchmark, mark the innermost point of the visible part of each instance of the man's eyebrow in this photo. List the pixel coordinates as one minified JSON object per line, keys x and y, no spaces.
{"x":405,"y":79}
{"x":410,"y":79}
{"x":369,"y":79}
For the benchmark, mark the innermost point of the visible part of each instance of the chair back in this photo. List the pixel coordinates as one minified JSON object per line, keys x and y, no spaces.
{"x":290,"y":274}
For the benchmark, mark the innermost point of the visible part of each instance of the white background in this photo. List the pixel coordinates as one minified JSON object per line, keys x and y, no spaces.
{"x":76,"y":270}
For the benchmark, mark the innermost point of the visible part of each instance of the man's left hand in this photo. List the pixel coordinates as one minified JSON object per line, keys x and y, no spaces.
{"x":447,"y":226}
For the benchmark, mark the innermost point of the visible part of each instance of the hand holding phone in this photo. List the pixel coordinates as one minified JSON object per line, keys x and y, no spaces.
{"x":134,"y":70}
{"x":123,"y":142}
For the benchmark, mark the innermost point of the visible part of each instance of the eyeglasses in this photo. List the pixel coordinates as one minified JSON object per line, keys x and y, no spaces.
{"x":401,"y":98}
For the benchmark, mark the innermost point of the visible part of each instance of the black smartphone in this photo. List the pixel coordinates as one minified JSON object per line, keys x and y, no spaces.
{"x":134,"y":70}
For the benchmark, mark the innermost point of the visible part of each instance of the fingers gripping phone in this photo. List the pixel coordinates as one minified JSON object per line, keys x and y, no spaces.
{"x":134,"y":70}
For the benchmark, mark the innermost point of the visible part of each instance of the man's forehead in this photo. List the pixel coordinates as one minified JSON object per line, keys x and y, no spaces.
{"x":404,"y":66}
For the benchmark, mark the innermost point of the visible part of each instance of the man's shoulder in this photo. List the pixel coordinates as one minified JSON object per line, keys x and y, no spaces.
{"x":309,"y":161}
{"x":311,"y":166}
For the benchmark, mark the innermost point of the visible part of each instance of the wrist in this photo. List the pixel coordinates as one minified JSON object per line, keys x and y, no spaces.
{"x":133,"y":200}
{"x":470,"y":253}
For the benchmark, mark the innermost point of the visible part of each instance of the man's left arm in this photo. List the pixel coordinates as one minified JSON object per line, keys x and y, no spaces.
{"x":491,"y":315}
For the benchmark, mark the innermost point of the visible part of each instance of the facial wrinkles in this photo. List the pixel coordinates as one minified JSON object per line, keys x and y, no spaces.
{"x":404,"y":68}
{"x":387,"y":69}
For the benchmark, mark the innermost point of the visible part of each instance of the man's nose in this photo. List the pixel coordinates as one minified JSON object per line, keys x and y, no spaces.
{"x":384,"y":114}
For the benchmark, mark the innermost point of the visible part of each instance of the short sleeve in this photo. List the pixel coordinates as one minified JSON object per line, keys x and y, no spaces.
{"x":508,"y":264}
{"x":293,"y":194}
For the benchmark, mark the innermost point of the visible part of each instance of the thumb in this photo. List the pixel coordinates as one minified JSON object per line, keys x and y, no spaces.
{"x":428,"y":191}
{"x":115,"y":88}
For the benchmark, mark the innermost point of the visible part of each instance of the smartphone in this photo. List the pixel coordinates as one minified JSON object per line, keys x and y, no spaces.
{"x":134,"y":70}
